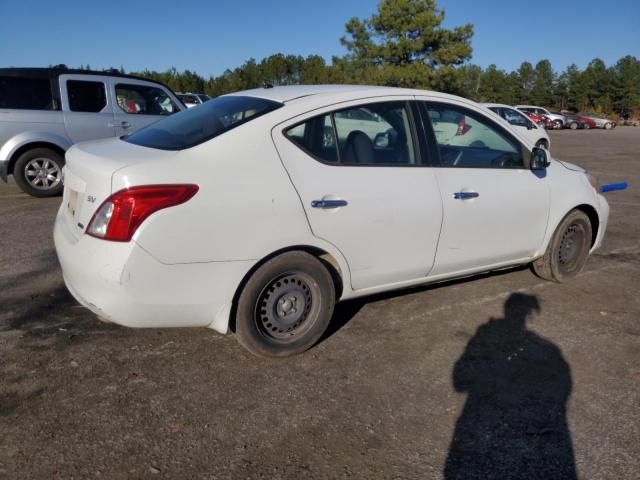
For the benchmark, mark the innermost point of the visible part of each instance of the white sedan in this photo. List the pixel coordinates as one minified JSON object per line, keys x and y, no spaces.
{"x":534,"y":133}
{"x":257,"y":211}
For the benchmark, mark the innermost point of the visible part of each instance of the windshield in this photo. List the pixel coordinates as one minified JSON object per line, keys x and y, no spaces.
{"x":197,"y":125}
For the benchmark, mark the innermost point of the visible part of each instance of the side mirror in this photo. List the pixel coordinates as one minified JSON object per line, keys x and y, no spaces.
{"x":539,"y":159}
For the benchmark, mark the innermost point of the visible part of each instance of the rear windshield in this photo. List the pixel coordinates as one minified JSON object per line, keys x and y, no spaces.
{"x":197,"y":125}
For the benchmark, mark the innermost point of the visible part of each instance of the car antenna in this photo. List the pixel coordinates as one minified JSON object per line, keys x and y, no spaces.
{"x":267,"y":85}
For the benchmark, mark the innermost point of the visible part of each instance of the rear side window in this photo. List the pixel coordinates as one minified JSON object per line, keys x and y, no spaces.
{"x":86,"y":96}
{"x":373,"y":134}
{"x":26,"y":93}
{"x":197,"y":125}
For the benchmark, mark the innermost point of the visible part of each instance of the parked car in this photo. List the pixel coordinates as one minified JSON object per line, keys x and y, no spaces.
{"x":574,"y":122}
{"x":291,"y":217}
{"x":43,"y":111}
{"x":193,"y":99}
{"x":540,"y":120}
{"x":557,"y":119}
{"x":536,"y":135}
{"x":600,"y":120}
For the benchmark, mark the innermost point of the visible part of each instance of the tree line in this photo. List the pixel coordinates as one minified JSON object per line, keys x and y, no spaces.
{"x":403,"y":44}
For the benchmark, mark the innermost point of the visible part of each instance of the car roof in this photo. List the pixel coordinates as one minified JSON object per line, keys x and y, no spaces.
{"x":530,"y":106}
{"x":55,"y":72}
{"x":499,"y":105}
{"x":288,"y":93}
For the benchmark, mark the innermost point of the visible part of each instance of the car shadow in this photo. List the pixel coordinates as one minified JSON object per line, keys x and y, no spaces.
{"x":346,"y":310}
{"x":514,"y":421}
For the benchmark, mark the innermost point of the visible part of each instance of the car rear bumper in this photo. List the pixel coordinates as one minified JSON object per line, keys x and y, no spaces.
{"x":123,"y":284}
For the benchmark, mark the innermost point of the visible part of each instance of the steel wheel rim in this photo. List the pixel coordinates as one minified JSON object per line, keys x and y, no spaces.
{"x":571,"y":247}
{"x":285,"y":305}
{"x":43,"y":173}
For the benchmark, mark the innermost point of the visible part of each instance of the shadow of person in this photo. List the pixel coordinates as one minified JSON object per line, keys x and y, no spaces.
{"x":514,"y":423}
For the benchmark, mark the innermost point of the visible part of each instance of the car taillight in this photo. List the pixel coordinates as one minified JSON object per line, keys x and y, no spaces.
{"x":120,"y":215}
{"x":462,"y":127}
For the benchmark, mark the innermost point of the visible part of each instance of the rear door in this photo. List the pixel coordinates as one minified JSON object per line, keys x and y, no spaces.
{"x":365,"y":188}
{"x":139,"y":103}
{"x":495,"y":208}
{"x":87,"y":107}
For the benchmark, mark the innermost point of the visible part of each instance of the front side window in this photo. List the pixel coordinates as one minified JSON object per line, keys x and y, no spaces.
{"x":197,"y":125}
{"x":144,"y":100}
{"x":26,"y":93}
{"x":374,"y":134}
{"x":86,"y":96}
{"x":467,"y":139}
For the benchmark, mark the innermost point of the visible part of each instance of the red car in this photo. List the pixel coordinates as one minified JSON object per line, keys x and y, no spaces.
{"x":588,"y":123}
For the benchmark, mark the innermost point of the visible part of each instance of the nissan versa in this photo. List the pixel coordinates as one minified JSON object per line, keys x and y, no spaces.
{"x":257,"y":211}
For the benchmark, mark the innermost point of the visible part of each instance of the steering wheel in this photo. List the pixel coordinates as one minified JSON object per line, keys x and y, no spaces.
{"x":505,"y":160}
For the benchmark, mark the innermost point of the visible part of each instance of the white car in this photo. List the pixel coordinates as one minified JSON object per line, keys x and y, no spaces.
{"x":248,"y":213}
{"x":191,"y":100}
{"x":534,"y":133}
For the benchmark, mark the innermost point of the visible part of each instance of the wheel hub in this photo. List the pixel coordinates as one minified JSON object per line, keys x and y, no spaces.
{"x":571,"y":246}
{"x":42,"y":173}
{"x":284,"y":306}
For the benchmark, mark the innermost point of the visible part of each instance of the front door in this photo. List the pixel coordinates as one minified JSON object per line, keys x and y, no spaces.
{"x":359,"y":175}
{"x":87,"y":107}
{"x":495,"y":209}
{"x":139,"y":103}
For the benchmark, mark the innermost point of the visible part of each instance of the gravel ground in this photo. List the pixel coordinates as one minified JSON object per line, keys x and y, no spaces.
{"x":501,"y":376}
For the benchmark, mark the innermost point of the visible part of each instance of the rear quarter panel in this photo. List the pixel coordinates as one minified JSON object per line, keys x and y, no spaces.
{"x":20,"y":127}
{"x":246,"y":207}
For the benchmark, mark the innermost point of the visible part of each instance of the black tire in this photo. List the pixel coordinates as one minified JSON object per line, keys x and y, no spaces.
{"x":573,"y":125}
{"x":608,"y":126}
{"x":38,"y":172}
{"x":295,"y":285}
{"x":542,"y":143}
{"x":568,"y":249}
{"x":587,"y":126}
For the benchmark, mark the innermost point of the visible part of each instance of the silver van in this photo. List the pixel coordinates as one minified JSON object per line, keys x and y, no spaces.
{"x":43,"y":111}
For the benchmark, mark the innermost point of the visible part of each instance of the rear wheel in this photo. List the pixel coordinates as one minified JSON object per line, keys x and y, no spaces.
{"x":573,"y":126}
{"x":568,"y":249}
{"x":38,"y":172}
{"x":286,"y":305}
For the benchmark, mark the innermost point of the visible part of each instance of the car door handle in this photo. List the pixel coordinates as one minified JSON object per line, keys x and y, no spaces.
{"x":465,"y":195}
{"x":124,"y":125}
{"x":329,"y":203}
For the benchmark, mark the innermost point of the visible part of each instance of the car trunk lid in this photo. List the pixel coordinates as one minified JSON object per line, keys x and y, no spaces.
{"x":88,"y":176}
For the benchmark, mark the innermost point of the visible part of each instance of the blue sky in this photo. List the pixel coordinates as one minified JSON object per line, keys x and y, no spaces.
{"x":210,"y":36}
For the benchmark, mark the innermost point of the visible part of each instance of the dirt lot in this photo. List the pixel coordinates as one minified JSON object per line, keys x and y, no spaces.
{"x":419,"y":384}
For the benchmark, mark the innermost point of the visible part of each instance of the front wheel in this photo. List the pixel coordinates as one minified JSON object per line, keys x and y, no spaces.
{"x":38,"y":172}
{"x":573,"y":126}
{"x":286,"y":305}
{"x":568,"y":249}
{"x":608,"y":126}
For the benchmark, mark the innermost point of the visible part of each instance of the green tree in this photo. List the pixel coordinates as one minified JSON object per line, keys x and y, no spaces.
{"x":404,"y":44}
{"x":542,"y":89}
